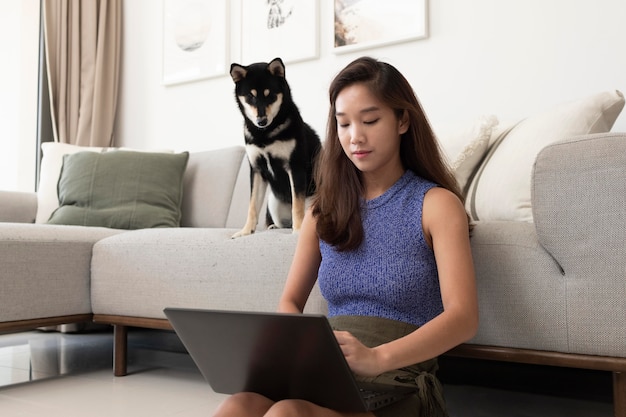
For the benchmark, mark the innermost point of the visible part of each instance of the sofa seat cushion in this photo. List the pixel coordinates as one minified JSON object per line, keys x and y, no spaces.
{"x":527,"y":301}
{"x":46,"y":269}
{"x":139,"y":273}
{"x":521,"y":292}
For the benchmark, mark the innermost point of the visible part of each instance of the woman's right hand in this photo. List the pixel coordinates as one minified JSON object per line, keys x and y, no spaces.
{"x":362,"y":360}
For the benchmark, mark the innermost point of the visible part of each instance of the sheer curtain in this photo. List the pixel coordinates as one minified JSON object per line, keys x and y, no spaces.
{"x":82,"y":44}
{"x":83,"y":41}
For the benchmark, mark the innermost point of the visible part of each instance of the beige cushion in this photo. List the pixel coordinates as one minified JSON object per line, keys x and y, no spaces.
{"x":143,"y":271}
{"x":46,"y":270}
{"x":210,"y":181}
{"x":476,"y":142}
{"x":500,"y":189}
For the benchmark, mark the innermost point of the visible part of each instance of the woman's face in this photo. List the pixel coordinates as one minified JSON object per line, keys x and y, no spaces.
{"x":369,"y":131}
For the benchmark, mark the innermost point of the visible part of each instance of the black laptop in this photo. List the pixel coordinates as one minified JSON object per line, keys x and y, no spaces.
{"x":281,"y":356}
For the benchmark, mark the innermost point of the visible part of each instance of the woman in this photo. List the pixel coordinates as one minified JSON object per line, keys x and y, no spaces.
{"x":387,"y":237}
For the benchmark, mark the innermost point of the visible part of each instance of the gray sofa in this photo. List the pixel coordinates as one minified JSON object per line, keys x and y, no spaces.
{"x":551,"y":292}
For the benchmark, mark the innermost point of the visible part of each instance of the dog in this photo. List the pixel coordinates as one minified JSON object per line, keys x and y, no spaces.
{"x":280,"y":146}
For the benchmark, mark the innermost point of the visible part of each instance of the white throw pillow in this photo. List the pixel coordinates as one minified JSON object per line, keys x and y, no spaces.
{"x":500,"y":189}
{"x":477,"y":143}
{"x":51,"y":164}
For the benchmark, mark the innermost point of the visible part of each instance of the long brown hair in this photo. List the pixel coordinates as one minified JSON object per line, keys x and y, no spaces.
{"x":336,"y":204}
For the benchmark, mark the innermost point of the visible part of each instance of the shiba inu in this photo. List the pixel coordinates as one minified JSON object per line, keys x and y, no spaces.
{"x":280,"y":146}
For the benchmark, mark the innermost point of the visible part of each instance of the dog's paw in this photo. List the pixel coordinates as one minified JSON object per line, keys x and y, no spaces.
{"x":241,"y":233}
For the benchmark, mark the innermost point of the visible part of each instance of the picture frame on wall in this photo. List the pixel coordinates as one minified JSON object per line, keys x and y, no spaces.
{"x":288,"y":29}
{"x":195,"y":40}
{"x":362,"y":24}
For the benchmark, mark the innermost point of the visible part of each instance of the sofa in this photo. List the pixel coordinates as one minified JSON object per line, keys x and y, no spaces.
{"x":551,"y":282}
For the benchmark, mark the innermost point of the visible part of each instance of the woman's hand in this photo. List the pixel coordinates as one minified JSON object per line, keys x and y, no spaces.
{"x":362,"y":360}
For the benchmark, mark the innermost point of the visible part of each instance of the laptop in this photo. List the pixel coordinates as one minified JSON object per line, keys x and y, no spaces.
{"x":281,"y":356}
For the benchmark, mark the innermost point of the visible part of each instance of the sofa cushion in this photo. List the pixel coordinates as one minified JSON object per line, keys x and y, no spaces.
{"x":500,"y":188}
{"x":46,"y":269}
{"x":17,"y":206}
{"x":476,"y":143}
{"x":51,"y":163}
{"x":50,"y":170}
{"x":141,"y":272}
{"x":121,"y":189}
{"x":521,"y":291}
{"x":210,"y":182}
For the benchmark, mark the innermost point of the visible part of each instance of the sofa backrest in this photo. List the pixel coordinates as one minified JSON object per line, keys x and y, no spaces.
{"x":208,"y":186}
{"x":216,"y":189}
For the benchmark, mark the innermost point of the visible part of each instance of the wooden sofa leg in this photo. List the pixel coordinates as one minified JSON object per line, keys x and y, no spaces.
{"x":120,"y":350}
{"x":619,"y":394}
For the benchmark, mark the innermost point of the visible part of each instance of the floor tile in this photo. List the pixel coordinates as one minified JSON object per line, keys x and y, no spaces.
{"x":70,"y":375}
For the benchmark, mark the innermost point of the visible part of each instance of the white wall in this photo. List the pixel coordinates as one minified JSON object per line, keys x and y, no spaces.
{"x":511,"y":59}
{"x":19,"y":42}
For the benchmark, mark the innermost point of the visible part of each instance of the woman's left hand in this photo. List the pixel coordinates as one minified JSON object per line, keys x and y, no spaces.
{"x":362,"y":360}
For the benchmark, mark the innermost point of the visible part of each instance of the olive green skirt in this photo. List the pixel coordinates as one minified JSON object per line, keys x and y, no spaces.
{"x":373,"y":331}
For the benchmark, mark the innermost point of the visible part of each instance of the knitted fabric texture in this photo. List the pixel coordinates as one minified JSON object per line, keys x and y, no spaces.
{"x":393,"y":273}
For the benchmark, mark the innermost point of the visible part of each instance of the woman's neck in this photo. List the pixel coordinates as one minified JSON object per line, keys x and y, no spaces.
{"x":376,"y":184}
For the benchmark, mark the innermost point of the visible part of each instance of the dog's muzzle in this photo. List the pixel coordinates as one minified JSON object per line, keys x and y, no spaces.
{"x":261,"y":121}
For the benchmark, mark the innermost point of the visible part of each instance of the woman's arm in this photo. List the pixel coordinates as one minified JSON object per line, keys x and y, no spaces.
{"x":304,"y":266}
{"x":445,"y":226}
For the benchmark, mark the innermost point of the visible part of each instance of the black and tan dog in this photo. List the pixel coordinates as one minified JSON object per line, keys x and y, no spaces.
{"x":281,"y":147}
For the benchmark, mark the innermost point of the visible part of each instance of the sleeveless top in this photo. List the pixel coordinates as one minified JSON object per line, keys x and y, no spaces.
{"x":393,"y":273}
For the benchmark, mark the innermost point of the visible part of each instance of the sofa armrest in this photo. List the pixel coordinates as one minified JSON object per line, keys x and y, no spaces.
{"x":579,"y":195}
{"x":18,"y":207}
{"x":579,"y":208}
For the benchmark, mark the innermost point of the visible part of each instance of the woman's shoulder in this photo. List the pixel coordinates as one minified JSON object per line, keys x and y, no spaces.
{"x":441,"y":204}
{"x":442,"y":198}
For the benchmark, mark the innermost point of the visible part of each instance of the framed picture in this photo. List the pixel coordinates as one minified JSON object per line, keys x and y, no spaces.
{"x":360,"y":24}
{"x":195,"y":40}
{"x":287,"y":29}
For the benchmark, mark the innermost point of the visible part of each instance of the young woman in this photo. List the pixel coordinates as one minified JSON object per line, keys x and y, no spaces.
{"x":387,"y":237}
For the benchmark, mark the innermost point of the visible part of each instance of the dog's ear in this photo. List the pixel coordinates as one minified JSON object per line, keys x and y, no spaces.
{"x":276,"y":67}
{"x":237,"y":72}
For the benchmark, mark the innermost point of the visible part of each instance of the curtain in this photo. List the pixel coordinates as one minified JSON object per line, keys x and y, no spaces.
{"x":82,"y":43}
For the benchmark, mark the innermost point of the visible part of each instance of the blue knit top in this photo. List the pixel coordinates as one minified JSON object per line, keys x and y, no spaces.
{"x":393,"y":273}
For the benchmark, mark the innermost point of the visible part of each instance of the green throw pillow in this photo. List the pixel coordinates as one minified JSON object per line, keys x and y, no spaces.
{"x":121,"y":189}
